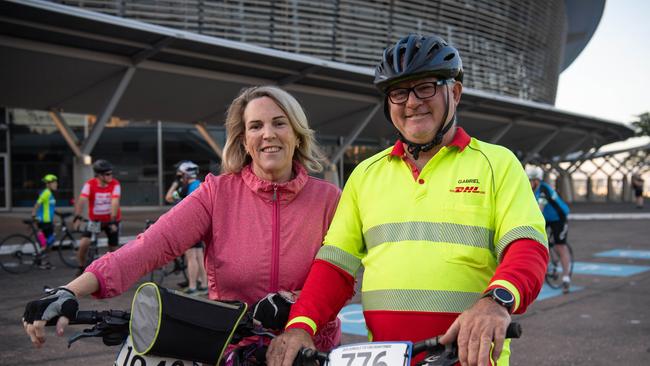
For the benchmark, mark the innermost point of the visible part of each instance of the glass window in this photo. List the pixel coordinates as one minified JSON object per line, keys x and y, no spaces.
{"x":37,"y":148}
{"x":132,"y":148}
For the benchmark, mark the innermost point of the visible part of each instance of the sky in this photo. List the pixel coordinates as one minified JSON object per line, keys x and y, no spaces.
{"x":610,"y":78}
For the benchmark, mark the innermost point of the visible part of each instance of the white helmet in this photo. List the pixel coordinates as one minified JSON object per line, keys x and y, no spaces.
{"x":188,"y":168}
{"x":535,"y":172}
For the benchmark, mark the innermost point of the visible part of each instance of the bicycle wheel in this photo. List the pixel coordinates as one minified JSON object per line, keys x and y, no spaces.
{"x":68,"y":247}
{"x":554,"y":270}
{"x":18,"y":253}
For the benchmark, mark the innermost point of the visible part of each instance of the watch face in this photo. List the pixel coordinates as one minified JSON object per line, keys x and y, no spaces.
{"x":503,"y":295}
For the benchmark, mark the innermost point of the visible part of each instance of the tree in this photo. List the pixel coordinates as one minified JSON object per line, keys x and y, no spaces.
{"x":642,"y":125}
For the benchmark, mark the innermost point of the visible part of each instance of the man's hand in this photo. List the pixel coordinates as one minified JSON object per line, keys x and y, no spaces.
{"x":476,"y":329}
{"x":112,"y":226}
{"x":59,"y":303}
{"x":285,"y":347}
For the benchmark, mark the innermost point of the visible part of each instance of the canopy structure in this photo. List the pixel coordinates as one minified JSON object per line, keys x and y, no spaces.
{"x":60,"y":58}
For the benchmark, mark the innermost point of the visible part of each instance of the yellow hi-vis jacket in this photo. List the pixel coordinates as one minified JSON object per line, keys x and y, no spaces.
{"x":432,"y":244}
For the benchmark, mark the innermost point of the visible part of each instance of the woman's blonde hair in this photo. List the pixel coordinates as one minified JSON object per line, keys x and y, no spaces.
{"x":234,"y":155}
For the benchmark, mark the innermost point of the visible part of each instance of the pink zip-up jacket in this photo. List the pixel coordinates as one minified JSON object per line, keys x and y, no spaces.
{"x":260,"y":237}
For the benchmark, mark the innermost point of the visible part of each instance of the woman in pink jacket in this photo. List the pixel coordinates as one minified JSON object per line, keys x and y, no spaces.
{"x":263,"y":220}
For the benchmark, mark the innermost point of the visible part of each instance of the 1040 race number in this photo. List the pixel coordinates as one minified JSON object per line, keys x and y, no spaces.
{"x":128,"y":357}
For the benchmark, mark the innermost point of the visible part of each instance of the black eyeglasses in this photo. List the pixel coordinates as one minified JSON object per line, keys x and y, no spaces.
{"x":421,"y":91}
{"x":107,"y":174}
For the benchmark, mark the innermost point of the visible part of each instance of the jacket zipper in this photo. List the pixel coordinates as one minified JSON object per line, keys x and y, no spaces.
{"x":275,"y":232}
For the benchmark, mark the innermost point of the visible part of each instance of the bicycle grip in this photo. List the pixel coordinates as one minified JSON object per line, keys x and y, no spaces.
{"x":86,"y":317}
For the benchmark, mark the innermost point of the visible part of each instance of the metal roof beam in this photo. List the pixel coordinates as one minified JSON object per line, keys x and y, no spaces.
{"x":91,"y":141}
{"x":573,"y":147}
{"x":151,"y":50}
{"x":354,"y":134}
{"x":545,"y":141}
{"x":200,"y":126}
{"x":502,"y":132}
{"x":67,"y":133}
{"x":301,"y":75}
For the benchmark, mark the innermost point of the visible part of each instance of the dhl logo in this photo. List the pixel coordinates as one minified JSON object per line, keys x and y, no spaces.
{"x":468,"y":189}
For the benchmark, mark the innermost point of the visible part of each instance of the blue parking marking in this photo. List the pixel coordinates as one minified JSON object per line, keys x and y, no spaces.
{"x":625,"y":253}
{"x":548,"y":292}
{"x":608,"y":269}
{"x":352,"y":320}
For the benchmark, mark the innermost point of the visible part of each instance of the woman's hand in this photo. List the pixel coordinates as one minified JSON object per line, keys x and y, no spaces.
{"x":59,"y":303}
{"x":285,"y":347}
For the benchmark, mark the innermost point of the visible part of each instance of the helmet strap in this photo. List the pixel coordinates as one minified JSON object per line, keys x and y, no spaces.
{"x":415,"y":148}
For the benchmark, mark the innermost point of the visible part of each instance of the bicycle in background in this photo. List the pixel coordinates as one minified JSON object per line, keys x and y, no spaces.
{"x":554,"y":270}
{"x":94,"y":228}
{"x":68,"y":243}
{"x":19,"y":253}
{"x":175,"y":268}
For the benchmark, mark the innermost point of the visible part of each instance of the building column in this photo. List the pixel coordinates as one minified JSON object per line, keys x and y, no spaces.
{"x":81,"y":172}
{"x":610,"y":189}
{"x":565,"y":186}
{"x":590,"y":194}
{"x":626,"y":191}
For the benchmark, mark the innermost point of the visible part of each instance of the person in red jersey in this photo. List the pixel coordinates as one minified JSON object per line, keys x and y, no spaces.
{"x":102,"y":193}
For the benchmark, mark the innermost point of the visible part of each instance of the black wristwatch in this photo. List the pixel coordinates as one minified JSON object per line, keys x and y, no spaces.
{"x":502,"y":297}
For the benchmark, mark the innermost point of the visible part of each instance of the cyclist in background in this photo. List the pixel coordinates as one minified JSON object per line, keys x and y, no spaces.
{"x":43,"y":213}
{"x":637,"y":186}
{"x":555,"y":212}
{"x":187,"y":182}
{"x":102,"y":193}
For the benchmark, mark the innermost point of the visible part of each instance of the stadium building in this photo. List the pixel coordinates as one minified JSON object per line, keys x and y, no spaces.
{"x":145,"y":83}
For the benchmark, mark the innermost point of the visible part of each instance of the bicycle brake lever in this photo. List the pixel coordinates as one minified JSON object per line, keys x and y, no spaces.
{"x":93,"y":332}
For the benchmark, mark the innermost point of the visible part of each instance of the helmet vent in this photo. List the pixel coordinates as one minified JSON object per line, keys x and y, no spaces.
{"x":449,"y":56}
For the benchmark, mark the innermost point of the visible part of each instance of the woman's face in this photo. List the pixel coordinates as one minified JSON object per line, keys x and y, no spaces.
{"x":269,"y":139}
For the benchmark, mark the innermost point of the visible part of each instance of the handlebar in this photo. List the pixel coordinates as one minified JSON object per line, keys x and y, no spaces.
{"x":111,"y":325}
{"x":513,"y":331}
{"x":439,"y":354}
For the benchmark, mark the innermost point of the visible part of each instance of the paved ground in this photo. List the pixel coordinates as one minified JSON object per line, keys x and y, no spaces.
{"x":607,"y":322}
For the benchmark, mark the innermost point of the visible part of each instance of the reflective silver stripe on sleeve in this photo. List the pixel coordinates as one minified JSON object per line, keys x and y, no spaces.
{"x":520,"y":232}
{"x":475,"y":236}
{"x":419,"y":300}
{"x":339,"y":258}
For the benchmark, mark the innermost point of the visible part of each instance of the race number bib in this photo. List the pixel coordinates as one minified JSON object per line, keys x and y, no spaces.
{"x":128,"y":357}
{"x":94,"y":227}
{"x":372,"y":354}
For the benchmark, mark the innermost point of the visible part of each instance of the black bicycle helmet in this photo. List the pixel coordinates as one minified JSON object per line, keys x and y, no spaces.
{"x":413,"y":57}
{"x":416,"y":56}
{"x":102,"y":166}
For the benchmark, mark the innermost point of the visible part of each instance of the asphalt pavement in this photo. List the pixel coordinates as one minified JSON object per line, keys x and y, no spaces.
{"x":605,"y":320}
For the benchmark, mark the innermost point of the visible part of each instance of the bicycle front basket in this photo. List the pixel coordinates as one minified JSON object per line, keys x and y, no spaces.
{"x":171,"y":324}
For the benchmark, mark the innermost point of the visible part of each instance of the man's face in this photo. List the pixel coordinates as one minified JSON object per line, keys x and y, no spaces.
{"x":419,"y":119}
{"x":53,"y":186}
{"x":534,"y":183}
{"x":106,"y":177}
